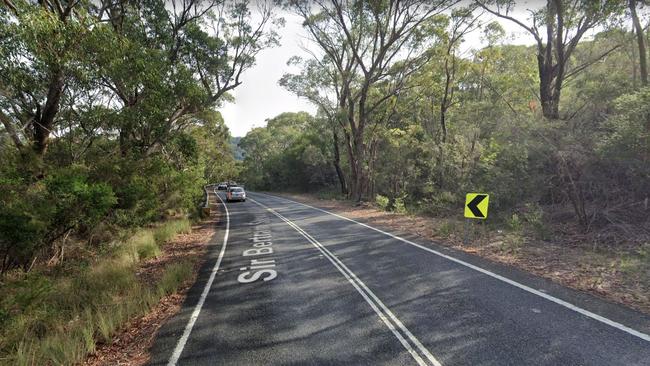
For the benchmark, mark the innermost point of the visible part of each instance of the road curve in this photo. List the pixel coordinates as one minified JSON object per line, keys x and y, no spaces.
{"x":290,"y":284}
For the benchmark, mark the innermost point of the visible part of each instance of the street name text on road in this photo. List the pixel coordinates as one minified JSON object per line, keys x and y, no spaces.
{"x":260,"y":268}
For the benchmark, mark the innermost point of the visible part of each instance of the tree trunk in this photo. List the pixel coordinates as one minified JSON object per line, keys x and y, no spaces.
{"x":443,"y":123}
{"x":551,"y":107}
{"x":353,"y":166}
{"x":359,"y":172}
{"x":337,"y":164}
{"x":44,"y":123}
{"x":549,"y":88}
{"x":640,"y":37}
{"x":550,"y":74}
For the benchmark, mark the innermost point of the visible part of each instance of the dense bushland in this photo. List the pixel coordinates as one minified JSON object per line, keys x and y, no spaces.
{"x":108,"y":115}
{"x":57,"y":316}
{"x":108,"y":126}
{"x":557,"y":131}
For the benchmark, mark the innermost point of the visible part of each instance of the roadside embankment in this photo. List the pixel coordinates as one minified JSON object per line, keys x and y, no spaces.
{"x":103,"y":306}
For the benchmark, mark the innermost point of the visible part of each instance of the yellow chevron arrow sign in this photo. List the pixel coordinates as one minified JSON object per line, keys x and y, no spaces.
{"x":476,"y":205}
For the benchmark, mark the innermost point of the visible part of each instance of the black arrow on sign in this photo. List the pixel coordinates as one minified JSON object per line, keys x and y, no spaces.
{"x":472,"y":205}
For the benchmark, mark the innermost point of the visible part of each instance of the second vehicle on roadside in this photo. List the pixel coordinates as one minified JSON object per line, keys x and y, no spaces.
{"x":235,"y":193}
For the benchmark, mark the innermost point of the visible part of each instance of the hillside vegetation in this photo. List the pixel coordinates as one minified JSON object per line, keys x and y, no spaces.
{"x":108,"y":127}
{"x":410,"y":118}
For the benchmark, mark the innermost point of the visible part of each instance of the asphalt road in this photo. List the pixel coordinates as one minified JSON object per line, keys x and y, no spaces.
{"x":295,"y":285}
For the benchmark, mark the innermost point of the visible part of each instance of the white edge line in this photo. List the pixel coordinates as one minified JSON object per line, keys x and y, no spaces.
{"x":566,"y":304}
{"x":173,"y":359}
{"x":358,"y":285}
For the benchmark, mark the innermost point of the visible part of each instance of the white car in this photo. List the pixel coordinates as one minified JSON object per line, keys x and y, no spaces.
{"x":236,"y":194}
{"x":222,"y":187}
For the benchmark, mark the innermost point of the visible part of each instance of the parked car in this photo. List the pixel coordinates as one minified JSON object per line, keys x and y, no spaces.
{"x":236,"y":194}
{"x":222,"y":187}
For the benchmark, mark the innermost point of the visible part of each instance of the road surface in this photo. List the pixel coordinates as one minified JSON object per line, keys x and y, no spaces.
{"x":296,"y":285}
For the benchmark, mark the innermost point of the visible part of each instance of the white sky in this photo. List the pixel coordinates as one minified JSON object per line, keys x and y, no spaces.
{"x":259,"y":97}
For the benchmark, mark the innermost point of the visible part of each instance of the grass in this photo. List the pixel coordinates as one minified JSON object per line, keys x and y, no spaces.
{"x":447,"y":227}
{"x":175,"y":274}
{"x":143,"y":245}
{"x":636,"y":263}
{"x":169,"y":229}
{"x":50,"y":318}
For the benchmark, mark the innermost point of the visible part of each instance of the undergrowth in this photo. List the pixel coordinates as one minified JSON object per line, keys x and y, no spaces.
{"x":52,"y":318}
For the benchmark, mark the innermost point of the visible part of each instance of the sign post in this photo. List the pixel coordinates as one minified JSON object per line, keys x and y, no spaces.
{"x":476,"y":207}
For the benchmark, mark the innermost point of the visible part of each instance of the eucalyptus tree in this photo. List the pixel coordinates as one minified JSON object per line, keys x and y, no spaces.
{"x":40,"y":56}
{"x":152,"y":67}
{"x":640,"y":38}
{"x":557,"y":29}
{"x":462,"y":22}
{"x":378,"y":42}
{"x":177,"y":59}
{"x":319,"y":83}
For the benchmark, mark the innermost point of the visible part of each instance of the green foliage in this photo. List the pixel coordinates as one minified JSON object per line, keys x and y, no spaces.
{"x":169,"y":229}
{"x":512,"y":242}
{"x":288,"y":153}
{"x":474,"y":123}
{"x":626,"y":143}
{"x":398,"y":205}
{"x":58,"y":318}
{"x":515,"y":223}
{"x":41,"y":213}
{"x":534,"y":217}
{"x":113,"y":121}
{"x":174,"y":276}
{"x":382,"y":202}
{"x":448,"y":227}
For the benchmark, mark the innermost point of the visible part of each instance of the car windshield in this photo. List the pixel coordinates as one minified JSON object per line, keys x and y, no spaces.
{"x":236,"y":189}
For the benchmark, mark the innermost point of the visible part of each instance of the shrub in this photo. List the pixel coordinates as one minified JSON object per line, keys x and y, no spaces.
{"x":448,"y":227}
{"x":515,"y":223}
{"x":144,"y":245}
{"x":534,"y":219}
{"x":382,"y":202}
{"x":39,"y":214}
{"x":398,"y":205}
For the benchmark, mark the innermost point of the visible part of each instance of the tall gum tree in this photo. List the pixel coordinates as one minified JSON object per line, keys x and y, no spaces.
{"x":640,"y":38}
{"x":319,"y":83}
{"x":40,"y":43}
{"x":383,"y":44}
{"x":557,"y":29}
{"x":200,"y":48}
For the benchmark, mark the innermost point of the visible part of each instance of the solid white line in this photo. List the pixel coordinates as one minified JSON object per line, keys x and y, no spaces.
{"x":197,"y":309}
{"x":567,"y":305}
{"x":366,"y":293}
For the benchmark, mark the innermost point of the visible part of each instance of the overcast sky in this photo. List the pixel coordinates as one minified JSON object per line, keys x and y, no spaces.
{"x":260,"y":97}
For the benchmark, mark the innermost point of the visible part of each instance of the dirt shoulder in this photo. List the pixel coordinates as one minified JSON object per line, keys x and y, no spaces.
{"x":620,"y":274}
{"x":130,"y":346}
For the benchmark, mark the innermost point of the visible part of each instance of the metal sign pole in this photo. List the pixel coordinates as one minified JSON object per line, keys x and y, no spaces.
{"x":466,"y":232}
